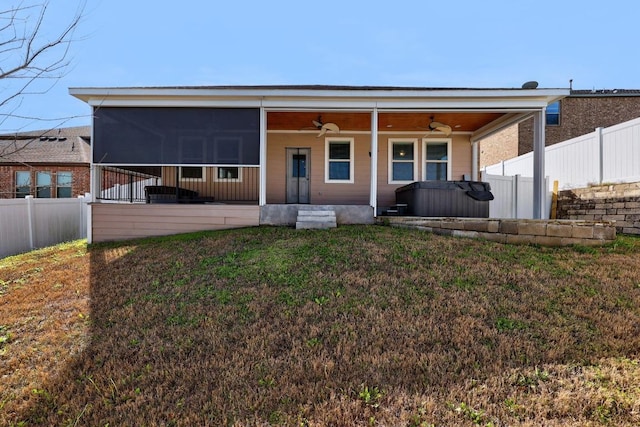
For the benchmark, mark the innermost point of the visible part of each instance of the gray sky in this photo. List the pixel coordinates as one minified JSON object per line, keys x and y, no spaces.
{"x":452,"y":43}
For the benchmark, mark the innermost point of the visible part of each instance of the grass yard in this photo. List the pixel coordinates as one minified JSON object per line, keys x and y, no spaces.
{"x":360,"y":325}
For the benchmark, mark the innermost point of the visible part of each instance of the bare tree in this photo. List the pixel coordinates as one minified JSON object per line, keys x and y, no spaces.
{"x":33,"y":54}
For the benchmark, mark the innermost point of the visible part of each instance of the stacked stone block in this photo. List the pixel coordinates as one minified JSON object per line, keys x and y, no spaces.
{"x":608,"y":202}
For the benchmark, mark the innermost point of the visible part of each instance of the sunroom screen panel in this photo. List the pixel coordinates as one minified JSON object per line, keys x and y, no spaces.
{"x":176,"y":136}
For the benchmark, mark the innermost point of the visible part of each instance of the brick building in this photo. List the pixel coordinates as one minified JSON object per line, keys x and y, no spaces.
{"x":578,"y":114}
{"x":45,"y":164}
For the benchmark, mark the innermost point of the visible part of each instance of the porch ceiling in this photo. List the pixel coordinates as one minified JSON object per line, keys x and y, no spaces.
{"x":400,"y":121}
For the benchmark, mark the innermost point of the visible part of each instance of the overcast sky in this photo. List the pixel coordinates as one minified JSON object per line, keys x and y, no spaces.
{"x":451,"y":43}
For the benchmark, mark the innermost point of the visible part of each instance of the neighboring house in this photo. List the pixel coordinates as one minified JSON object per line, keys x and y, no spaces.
{"x":229,"y":156}
{"x":578,"y":114}
{"x":45,"y":164}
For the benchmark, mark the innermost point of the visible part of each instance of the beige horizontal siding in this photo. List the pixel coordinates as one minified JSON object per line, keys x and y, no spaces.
{"x":126,"y":221}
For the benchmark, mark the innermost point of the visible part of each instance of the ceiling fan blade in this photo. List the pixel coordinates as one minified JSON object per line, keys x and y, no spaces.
{"x":444,"y":129}
{"x":331,"y":127}
{"x":317,"y":123}
{"x":322,"y":132}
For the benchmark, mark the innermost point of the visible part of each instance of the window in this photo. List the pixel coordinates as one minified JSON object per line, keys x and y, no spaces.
{"x":228,"y":173}
{"x":43,"y":185}
{"x":339,"y":160}
{"x":553,"y":114}
{"x":63,"y":184}
{"x":192,"y":173}
{"x":23,"y":184}
{"x":402,"y":160}
{"x":436,"y":160}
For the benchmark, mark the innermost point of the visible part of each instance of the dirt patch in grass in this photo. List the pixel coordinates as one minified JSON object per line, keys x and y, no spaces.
{"x":351,"y":326}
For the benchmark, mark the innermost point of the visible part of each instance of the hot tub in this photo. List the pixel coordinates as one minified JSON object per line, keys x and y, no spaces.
{"x":465,"y":199}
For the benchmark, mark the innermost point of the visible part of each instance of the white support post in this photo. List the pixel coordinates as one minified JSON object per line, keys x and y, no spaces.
{"x":539,"y":190}
{"x":474,"y":161}
{"x":373,"y":196}
{"x":263,"y":157}
{"x":599,"y":139}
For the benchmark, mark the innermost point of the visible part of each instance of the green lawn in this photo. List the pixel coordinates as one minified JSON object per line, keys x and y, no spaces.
{"x":359,"y":325}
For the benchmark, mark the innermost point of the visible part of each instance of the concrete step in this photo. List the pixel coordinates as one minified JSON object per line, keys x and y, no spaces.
{"x":302,"y":225}
{"x":325,"y":213}
{"x":317,"y":219}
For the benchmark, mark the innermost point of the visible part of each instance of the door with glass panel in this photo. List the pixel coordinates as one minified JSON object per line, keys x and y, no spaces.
{"x":298,"y":175}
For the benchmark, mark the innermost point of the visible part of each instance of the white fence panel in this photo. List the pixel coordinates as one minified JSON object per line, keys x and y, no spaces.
{"x":621,"y":152}
{"x":513,"y":197}
{"x":574,"y":163}
{"x":27,"y":224}
{"x":503,"y":204}
{"x":605,"y":155}
{"x":14,"y":227}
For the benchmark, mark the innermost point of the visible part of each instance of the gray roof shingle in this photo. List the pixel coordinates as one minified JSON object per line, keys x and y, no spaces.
{"x":64,"y":145}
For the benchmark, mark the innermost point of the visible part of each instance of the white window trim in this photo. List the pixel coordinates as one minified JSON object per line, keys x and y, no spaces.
{"x":413,"y":141}
{"x":427,"y":141}
{"x":204,"y":174}
{"x":327,"y":141}
{"x":216,"y":179}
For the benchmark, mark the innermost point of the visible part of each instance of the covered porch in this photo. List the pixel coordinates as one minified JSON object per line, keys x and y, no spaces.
{"x":263,"y":153}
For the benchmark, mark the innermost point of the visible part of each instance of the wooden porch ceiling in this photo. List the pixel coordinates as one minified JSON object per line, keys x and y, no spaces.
{"x":350,"y":121}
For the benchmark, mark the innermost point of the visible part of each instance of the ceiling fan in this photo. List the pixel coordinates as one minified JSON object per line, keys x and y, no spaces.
{"x":325,"y":127}
{"x":440,"y":127}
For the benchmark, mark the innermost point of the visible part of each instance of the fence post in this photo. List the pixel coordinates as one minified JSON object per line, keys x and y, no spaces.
{"x":88,"y":224}
{"x":599,"y":139}
{"x":31,"y":220}
{"x":515,"y":183}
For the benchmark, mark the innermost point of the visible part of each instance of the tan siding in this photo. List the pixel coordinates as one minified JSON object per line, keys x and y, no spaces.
{"x":124,"y":221}
{"x":460,"y":158}
{"x":248,"y":187}
{"x":356,"y":193}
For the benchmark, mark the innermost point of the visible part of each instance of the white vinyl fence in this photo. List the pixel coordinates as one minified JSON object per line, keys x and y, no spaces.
{"x":606,"y":155}
{"x":29,"y":223}
{"x":513,"y":197}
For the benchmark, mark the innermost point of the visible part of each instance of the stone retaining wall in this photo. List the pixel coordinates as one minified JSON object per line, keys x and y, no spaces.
{"x":517,"y":231}
{"x":613,"y":202}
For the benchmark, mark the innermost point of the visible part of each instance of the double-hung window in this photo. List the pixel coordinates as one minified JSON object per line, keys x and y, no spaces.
{"x":63,"y":184}
{"x":553,"y":114}
{"x":403,"y":155}
{"x":43,"y":185}
{"x":339,"y":158}
{"x":228,"y":174}
{"x":437,"y":158}
{"x":23,"y":184}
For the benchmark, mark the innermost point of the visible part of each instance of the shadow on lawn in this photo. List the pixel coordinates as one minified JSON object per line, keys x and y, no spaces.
{"x":268,"y":327}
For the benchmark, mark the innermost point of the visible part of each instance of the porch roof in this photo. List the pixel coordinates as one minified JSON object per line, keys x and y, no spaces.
{"x":324,"y":96}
